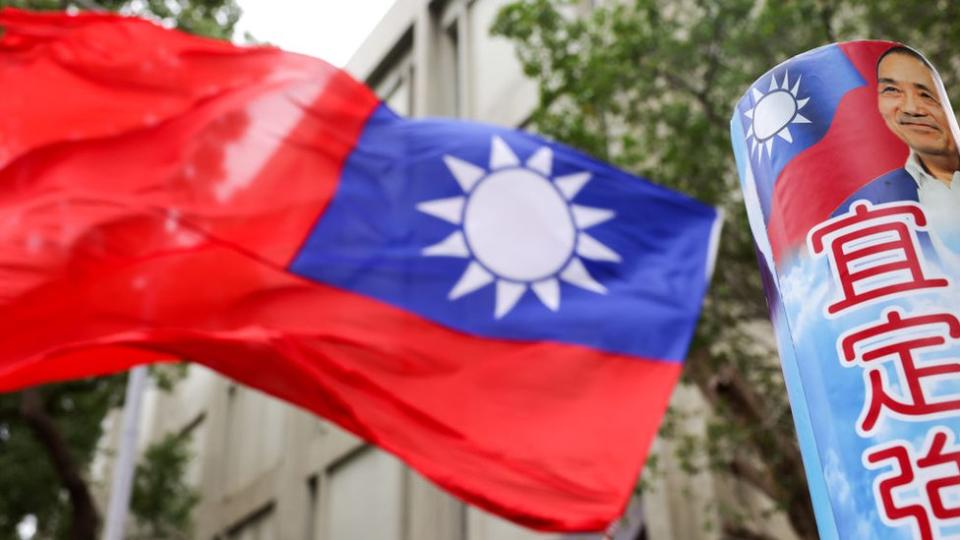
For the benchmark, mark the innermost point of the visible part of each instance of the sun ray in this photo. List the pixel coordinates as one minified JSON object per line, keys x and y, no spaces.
{"x":785,"y":134}
{"x":593,"y":249}
{"x":571,"y":184}
{"x":508,"y":294}
{"x":454,"y":245}
{"x":501,"y":155}
{"x":576,"y":274}
{"x":541,"y":161}
{"x":586,"y":217}
{"x":473,"y":278}
{"x":449,"y":209}
{"x":548,"y":291}
{"x":489,"y":264}
{"x":467,"y":174}
{"x":775,"y":115}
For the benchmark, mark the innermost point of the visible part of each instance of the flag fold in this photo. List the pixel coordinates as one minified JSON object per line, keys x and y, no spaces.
{"x":505,"y":314}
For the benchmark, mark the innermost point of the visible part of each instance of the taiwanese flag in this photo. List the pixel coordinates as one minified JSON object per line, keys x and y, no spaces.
{"x":812,"y":135}
{"x":505,"y":314}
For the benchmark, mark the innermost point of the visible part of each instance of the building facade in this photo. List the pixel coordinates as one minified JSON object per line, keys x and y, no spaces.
{"x":266,"y":470}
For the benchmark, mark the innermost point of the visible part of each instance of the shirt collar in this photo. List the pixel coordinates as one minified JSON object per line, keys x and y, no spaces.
{"x":920,"y":175}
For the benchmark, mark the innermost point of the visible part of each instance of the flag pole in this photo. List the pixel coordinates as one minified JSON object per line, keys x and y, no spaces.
{"x":123,"y":469}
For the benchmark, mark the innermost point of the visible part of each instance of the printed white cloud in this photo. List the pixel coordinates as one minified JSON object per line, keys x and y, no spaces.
{"x":805,"y":290}
{"x":837,"y":482}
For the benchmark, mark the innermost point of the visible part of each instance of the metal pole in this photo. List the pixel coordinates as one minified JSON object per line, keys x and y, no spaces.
{"x":126,"y":455}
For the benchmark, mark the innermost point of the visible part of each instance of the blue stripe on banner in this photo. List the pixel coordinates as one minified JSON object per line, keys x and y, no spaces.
{"x":480,"y":229}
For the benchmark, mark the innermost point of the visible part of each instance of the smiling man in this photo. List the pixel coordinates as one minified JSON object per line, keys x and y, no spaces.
{"x":910,"y":105}
{"x":916,"y":112}
{"x":913,"y":109}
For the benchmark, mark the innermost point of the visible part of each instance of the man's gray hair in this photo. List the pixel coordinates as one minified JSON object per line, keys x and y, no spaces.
{"x":903,"y":49}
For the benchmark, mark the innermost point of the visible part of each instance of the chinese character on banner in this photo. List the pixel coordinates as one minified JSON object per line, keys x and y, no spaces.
{"x":927,"y":479}
{"x":873,"y":252}
{"x":896,"y":339}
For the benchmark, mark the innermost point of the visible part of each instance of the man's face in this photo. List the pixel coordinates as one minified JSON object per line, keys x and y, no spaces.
{"x":911,"y":107}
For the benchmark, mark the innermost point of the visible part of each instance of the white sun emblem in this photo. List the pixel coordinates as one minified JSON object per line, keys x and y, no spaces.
{"x":519,"y":228}
{"x":773,"y":113}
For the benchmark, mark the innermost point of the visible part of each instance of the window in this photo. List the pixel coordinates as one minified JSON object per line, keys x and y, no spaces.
{"x":196,"y":433}
{"x":313,"y":501}
{"x":255,"y":429}
{"x":393,"y":80}
{"x":260,"y":526}
{"x":449,"y":77}
{"x":400,"y":97}
{"x":452,"y":65}
{"x":365,"y":497}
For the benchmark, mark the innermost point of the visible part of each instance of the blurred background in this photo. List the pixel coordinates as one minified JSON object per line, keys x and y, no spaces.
{"x":646,"y":84}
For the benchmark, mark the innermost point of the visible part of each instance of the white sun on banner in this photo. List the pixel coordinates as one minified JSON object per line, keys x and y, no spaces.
{"x":772,"y":114}
{"x":519,"y":228}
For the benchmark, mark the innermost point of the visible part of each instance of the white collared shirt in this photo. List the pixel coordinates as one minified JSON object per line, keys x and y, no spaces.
{"x":941,"y":204}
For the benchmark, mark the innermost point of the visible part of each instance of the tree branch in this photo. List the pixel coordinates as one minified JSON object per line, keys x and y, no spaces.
{"x":9,"y":414}
{"x":739,"y":532}
{"x":88,"y":5}
{"x":727,"y":386}
{"x":701,"y":92}
{"x":85,"y":517}
{"x":714,"y":61}
{"x":826,"y":19}
{"x":748,"y":470}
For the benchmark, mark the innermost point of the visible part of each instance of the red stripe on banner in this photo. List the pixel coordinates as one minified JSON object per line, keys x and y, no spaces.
{"x":550,"y":435}
{"x":857,"y":148}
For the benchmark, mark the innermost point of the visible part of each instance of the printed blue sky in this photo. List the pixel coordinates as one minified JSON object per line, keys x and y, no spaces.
{"x":836,"y":392}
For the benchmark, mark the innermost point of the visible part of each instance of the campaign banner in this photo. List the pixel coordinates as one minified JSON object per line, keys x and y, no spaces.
{"x":848,"y":161}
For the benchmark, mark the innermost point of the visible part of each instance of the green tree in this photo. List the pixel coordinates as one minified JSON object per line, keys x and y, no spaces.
{"x":213,"y":18}
{"x":650,"y":85}
{"x":161,"y":500}
{"x":49,"y":435}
